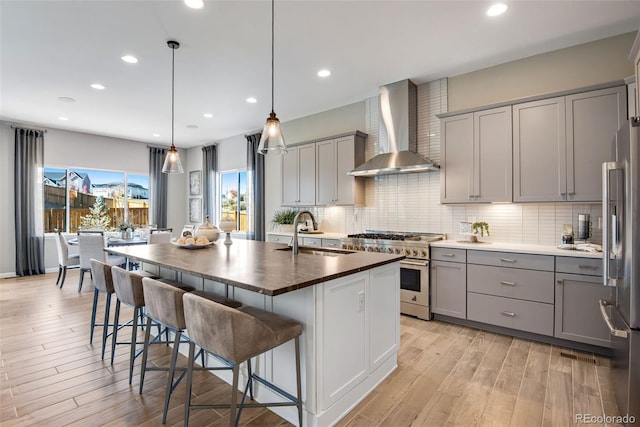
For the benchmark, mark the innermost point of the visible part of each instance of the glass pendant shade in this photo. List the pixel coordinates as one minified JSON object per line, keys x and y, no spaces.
{"x":172,"y":163}
{"x":272,"y":140}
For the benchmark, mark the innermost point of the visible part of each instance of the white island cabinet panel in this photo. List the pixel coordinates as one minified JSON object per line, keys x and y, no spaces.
{"x":384,"y":304}
{"x":344,"y":356}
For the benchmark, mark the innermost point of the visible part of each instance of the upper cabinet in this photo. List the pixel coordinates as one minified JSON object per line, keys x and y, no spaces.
{"x":476,"y":157}
{"x":559,"y":145}
{"x":334,"y":158}
{"x":315,"y":173}
{"x":299,"y":176}
{"x":635,"y":57}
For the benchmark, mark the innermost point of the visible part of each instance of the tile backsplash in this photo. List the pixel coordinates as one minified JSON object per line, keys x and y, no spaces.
{"x":411,"y":202}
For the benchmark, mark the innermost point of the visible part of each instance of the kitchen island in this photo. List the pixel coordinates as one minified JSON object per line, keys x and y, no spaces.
{"x":348,"y":303}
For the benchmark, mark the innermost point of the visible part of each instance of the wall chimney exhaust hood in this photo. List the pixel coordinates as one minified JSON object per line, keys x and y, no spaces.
{"x":398,"y":134}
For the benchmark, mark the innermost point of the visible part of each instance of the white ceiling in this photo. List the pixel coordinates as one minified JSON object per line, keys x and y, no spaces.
{"x":51,"y":49}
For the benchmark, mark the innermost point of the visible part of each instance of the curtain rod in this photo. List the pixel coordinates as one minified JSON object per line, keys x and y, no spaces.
{"x":28,"y":127}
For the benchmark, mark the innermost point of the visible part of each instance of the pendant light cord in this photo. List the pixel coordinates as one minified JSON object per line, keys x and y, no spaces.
{"x":173,"y":67}
{"x":272,"y":49}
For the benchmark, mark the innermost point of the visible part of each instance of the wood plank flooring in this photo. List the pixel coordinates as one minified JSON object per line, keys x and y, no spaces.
{"x":447,"y":374}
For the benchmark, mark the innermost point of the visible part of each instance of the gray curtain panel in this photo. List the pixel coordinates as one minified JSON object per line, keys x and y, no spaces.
{"x":29,"y":165}
{"x":158,"y":186}
{"x":255,"y":189}
{"x":209,"y":171}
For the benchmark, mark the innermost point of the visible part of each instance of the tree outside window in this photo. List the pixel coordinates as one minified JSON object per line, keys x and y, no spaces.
{"x":233,"y":198}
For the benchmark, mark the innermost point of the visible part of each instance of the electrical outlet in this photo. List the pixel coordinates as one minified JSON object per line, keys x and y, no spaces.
{"x":360,"y":300}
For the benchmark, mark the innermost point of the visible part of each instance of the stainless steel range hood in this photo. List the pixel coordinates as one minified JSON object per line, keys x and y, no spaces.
{"x":398,"y":134}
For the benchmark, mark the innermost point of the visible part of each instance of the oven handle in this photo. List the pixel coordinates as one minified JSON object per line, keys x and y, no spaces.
{"x":415,"y":263}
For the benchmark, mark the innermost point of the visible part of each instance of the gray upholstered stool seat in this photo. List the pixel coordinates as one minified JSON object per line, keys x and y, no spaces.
{"x":164,"y":304}
{"x":238,"y":335}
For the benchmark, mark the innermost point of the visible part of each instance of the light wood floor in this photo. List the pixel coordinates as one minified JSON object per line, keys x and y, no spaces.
{"x":447,"y":375}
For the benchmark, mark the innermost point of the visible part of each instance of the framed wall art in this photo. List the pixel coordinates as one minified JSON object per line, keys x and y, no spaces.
{"x":195,"y":183}
{"x":195,"y":209}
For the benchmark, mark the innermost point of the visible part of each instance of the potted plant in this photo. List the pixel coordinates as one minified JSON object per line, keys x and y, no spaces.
{"x":480,"y":228}
{"x":126,"y":230}
{"x":283,"y":218}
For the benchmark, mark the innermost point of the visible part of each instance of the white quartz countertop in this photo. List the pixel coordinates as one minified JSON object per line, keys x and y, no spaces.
{"x":515,"y":247}
{"x":322,"y":235}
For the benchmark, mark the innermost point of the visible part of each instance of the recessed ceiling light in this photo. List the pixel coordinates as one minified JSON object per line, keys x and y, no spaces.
{"x":251,"y":100}
{"x":192,"y":126}
{"x":130,"y":59}
{"x":497,"y":9}
{"x":324,"y":73}
{"x":157,"y":135}
{"x":98,"y":86}
{"x":63,"y":118}
{"x":208,"y":115}
{"x":194,"y":4}
{"x":66,"y":99}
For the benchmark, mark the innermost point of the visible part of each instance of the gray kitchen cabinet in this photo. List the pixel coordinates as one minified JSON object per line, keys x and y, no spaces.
{"x":331,"y":243}
{"x":511,"y":290}
{"x":334,"y":158}
{"x":635,"y":56}
{"x":299,"y":176}
{"x":476,"y":157}
{"x":559,"y":145}
{"x":632,"y":98}
{"x":577,"y":302}
{"x":449,"y":288}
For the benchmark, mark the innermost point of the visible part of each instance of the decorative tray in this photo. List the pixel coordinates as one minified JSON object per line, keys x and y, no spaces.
{"x":192,"y":246}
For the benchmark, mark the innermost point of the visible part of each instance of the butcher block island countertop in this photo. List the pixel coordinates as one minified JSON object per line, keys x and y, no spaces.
{"x":349,"y":306}
{"x":256,"y":266}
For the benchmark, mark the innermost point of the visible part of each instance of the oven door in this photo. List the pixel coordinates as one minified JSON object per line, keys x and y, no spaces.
{"x":414,"y":288}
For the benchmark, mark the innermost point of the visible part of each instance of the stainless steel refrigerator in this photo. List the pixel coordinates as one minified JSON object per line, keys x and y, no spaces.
{"x":621,"y":262}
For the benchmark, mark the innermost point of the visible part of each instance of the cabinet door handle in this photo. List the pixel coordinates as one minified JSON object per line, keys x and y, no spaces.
{"x":448,"y":255}
{"x":508,"y":313}
{"x":560,"y":282}
{"x":563,"y":194}
{"x":507,"y":283}
{"x":588,"y":267}
{"x":507,"y":260}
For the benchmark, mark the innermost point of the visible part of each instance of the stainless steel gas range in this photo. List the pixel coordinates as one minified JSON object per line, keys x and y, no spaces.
{"x":414,"y":269}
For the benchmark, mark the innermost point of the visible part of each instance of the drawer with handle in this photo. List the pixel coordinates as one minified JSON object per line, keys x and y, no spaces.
{"x":528,"y":285}
{"x":447,"y":254}
{"x":511,"y":313}
{"x":331,"y":243}
{"x":588,"y":266}
{"x":509,"y":259}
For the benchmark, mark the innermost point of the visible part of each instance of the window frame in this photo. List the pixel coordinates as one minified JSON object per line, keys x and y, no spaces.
{"x":219,"y":179}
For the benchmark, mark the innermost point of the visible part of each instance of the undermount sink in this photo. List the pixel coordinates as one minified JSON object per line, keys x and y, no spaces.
{"x":317,"y":251}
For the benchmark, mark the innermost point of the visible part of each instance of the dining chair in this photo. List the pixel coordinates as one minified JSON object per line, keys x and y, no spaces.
{"x":92,"y":246}
{"x":156,"y":238}
{"x":68,"y":257}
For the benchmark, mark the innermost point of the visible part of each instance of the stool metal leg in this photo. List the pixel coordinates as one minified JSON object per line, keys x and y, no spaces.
{"x":105,"y":329}
{"x":172,"y":372}
{"x":234,"y":396}
{"x":134,"y":341}
{"x":298,"y":382}
{"x":145,"y":353}
{"x":187,"y":401}
{"x":96,"y":293}
{"x":59,"y":274}
{"x":114,"y":335}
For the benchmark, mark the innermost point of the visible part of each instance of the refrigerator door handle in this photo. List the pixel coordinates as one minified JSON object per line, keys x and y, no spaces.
{"x":607,"y":167}
{"x":615,"y":332}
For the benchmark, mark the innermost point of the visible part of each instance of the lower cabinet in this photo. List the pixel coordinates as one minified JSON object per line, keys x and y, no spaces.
{"x":358,"y":329}
{"x":449,"y":288}
{"x":577,"y":315}
{"x":511,"y":313}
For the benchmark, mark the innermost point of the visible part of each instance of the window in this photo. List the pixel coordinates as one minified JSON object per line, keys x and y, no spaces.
{"x":233,"y":198}
{"x":76,"y":198}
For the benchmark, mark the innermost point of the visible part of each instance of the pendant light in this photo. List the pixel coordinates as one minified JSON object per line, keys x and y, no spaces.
{"x":172,"y":162}
{"x":272,"y":140}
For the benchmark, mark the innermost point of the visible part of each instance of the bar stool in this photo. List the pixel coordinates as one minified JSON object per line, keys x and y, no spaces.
{"x":163,"y":304}
{"x":128,"y":289}
{"x":103,"y":283}
{"x":239,"y":335}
